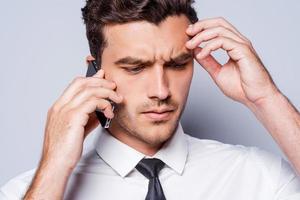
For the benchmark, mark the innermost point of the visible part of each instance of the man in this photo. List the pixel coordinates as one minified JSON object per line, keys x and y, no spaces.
{"x":146,"y":51}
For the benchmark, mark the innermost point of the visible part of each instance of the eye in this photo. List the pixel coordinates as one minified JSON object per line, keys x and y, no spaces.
{"x":135,"y":70}
{"x":179,"y":66}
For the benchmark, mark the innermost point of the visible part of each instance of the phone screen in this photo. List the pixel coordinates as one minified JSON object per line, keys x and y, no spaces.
{"x":105,"y":122}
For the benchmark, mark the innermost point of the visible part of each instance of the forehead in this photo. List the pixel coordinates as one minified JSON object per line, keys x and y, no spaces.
{"x":144,"y":39}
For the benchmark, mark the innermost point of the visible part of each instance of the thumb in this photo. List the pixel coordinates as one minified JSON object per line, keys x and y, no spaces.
{"x":209,"y":63}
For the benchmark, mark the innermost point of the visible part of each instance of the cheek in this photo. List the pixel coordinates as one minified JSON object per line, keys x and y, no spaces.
{"x":131,"y":92}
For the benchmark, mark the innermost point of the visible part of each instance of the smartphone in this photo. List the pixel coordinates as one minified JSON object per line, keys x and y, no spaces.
{"x":92,"y":69}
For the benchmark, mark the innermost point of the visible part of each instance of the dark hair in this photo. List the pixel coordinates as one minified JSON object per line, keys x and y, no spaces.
{"x":98,"y":13}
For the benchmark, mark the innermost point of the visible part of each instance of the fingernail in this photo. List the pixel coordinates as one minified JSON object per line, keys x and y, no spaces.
{"x":190,"y":28}
{"x":189,"y":44}
{"x":199,"y":56}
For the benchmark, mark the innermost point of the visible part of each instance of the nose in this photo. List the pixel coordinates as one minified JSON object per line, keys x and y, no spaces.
{"x":158,"y":84}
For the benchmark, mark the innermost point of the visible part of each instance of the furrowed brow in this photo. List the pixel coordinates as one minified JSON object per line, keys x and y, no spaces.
{"x":132,"y":61}
{"x":181,"y":58}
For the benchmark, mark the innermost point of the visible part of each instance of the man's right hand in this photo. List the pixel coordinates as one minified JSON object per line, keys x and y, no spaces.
{"x":69,"y":121}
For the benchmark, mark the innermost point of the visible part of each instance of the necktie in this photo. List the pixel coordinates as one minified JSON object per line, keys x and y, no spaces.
{"x":150,"y":168}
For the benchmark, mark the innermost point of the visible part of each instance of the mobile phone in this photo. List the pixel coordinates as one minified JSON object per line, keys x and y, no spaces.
{"x":92,"y":69}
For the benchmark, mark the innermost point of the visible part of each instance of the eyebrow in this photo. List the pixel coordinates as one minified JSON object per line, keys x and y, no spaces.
{"x":132,"y":61}
{"x":181,"y":58}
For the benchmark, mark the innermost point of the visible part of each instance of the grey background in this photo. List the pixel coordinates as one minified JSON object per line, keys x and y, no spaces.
{"x":43,"y":47}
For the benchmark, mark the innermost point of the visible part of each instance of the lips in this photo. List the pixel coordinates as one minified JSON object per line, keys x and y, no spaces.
{"x":159,"y":114}
{"x":159,"y":111}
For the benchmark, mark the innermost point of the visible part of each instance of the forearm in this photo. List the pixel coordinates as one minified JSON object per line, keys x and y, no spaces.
{"x":282,"y":120}
{"x":49,"y":182}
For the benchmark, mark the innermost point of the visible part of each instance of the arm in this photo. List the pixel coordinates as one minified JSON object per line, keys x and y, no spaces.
{"x":49,"y":182}
{"x":69,"y":121}
{"x":282,"y":120}
{"x":245,"y":79}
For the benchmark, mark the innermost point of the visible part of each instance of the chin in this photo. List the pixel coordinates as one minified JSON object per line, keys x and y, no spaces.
{"x":157,"y":132}
{"x":151,"y":131}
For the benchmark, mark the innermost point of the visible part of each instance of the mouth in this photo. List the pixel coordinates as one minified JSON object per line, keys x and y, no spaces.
{"x":161,"y":115}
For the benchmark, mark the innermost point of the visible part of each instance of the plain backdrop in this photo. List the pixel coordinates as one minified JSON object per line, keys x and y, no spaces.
{"x":43,"y":47}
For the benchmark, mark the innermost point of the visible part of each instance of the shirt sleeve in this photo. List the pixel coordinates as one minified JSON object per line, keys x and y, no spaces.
{"x":12,"y":190}
{"x":16,"y":188}
{"x":289,"y":183}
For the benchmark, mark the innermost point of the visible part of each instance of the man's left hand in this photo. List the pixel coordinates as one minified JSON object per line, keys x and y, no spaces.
{"x":243,"y":78}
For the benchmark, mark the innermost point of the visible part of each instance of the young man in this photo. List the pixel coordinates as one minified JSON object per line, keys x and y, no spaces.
{"x":146,"y":51}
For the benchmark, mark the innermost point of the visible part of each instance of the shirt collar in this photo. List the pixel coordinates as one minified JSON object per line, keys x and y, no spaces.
{"x":123,"y":158}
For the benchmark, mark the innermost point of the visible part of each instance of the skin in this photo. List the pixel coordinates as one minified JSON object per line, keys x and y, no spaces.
{"x":243,"y":78}
{"x":155,"y":85}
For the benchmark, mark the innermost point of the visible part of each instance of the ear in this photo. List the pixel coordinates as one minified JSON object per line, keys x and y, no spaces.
{"x":89,"y":58}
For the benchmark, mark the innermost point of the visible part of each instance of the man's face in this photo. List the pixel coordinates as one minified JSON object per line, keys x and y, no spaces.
{"x":153,"y":70}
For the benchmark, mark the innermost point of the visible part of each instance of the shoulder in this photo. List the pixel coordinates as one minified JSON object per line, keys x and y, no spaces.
{"x":16,"y":187}
{"x":244,"y":160}
{"x":249,"y":156}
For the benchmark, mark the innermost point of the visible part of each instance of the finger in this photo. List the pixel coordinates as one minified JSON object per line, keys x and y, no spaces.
{"x":210,"y":23}
{"x":211,"y":33}
{"x":99,"y":74}
{"x":93,"y":122}
{"x":94,"y":92}
{"x":89,"y":58}
{"x":81,"y":114}
{"x":91,"y":105}
{"x":209,"y":63}
{"x":235,"y":50}
{"x":77,"y":84}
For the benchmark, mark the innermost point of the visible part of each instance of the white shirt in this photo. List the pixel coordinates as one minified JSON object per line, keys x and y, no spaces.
{"x":196,"y":169}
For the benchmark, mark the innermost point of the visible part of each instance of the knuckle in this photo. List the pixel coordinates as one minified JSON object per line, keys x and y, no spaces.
{"x":113,"y":95}
{"x":104,"y":105}
{"x":249,"y":42}
{"x":86,"y":91}
{"x":64,"y":110}
{"x":220,"y":19}
{"x":198,"y":24}
{"x":107,"y":83}
{"x":92,"y":79}
{"x":219,"y":29}
{"x":54,"y":108}
{"x":50,"y":111}
{"x":78,"y":79}
{"x":244,"y":46}
{"x":69,"y":115}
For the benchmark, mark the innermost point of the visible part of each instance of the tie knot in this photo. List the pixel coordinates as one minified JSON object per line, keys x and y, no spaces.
{"x":150,"y":167}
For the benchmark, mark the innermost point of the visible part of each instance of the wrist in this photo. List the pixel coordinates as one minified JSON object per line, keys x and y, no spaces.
{"x":273,"y":98}
{"x":60,"y":167}
{"x":49,"y":181}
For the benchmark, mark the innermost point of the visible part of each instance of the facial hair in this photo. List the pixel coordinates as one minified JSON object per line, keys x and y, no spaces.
{"x":127,"y":123}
